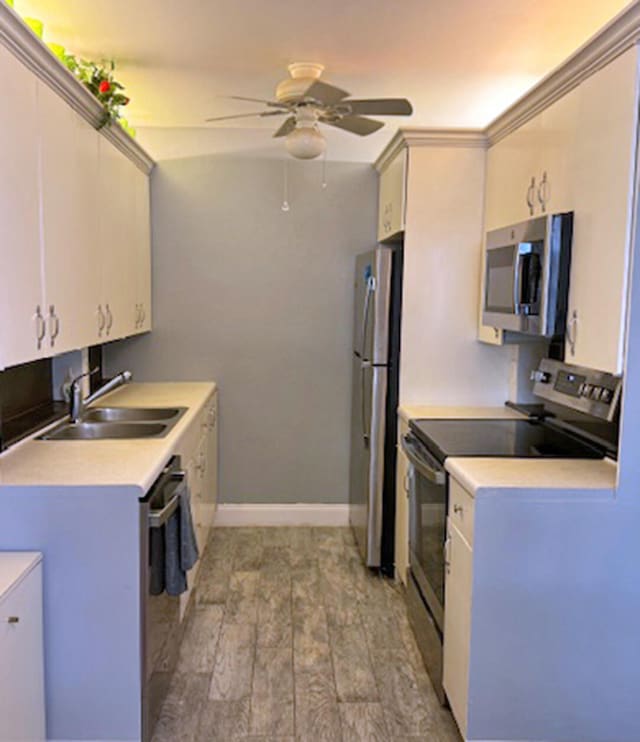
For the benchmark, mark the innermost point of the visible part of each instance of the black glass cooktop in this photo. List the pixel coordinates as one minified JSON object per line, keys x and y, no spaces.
{"x":516,"y":438}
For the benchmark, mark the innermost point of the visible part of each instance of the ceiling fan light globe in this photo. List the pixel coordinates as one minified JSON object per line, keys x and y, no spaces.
{"x":305,"y":143}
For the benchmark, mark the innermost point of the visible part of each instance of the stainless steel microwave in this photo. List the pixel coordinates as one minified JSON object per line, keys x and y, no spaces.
{"x":526,"y":276}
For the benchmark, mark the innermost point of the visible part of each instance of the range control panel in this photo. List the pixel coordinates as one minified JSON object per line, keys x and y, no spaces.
{"x":593,"y":392}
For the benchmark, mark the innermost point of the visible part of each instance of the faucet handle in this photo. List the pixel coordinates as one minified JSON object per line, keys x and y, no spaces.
{"x":75,"y":383}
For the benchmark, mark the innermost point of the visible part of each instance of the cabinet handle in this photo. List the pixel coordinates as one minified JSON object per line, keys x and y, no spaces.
{"x":101,"y":320}
{"x":447,"y":554}
{"x":458,"y":509}
{"x":13,"y":619}
{"x":496,"y":333}
{"x":143,"y":312}
{"x":572,"y":332}
{"x":55,"y":325}
{"x":41,"y":329}
{"x":531,"y":192}
{"x":543,"y":192}
{"x":109,"y":318}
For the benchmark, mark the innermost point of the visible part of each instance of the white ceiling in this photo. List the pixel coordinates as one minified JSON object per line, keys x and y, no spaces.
{"x":460,"y":62}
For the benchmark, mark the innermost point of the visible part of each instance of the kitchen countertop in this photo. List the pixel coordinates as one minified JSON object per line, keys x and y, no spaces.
{"x":535,"y":477}
{"x":414,"y":412}
{"x":133,"y":462}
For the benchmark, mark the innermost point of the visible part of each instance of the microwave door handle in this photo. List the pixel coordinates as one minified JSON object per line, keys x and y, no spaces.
{"x":517,"y":282}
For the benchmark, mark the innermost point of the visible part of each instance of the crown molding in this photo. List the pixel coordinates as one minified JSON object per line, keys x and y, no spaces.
{"x":35,"y":55}
{"x":413,"y":136}
{"x":613,"y":40}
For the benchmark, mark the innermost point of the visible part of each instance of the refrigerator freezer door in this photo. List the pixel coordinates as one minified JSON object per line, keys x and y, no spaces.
{"x":367,"y":457}
{"x":372,"y":296}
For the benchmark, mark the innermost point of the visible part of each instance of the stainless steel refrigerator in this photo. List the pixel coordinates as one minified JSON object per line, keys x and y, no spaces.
{"x":374,"y":400}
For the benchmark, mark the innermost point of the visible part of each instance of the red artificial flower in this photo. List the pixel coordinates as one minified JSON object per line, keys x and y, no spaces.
{"x":105,"y":86}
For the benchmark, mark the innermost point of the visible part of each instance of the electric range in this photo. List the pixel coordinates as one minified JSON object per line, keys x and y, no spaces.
{"x":577,"y":419}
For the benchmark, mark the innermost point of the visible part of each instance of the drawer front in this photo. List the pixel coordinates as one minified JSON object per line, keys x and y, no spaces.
{"x":21,"y":661}
{"x":461,"y":506}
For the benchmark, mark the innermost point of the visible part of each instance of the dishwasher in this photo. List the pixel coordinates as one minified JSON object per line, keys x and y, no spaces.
{"x":160,"y":613}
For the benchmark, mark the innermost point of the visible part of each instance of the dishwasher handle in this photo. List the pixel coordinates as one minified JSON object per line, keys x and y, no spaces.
{"x":422,"y":466}
{"x":157,"y":518}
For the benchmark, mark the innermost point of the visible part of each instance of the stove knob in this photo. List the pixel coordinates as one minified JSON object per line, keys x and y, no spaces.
{"x":606,"y":395}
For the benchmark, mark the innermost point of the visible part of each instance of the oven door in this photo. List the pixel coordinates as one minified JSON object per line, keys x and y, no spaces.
{"x":427,"y":524}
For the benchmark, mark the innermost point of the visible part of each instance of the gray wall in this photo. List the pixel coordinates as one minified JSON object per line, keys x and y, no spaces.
{"x":261,"y":302}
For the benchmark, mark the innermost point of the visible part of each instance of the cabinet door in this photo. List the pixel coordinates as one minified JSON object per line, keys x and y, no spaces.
{"x":554,"y":177}
{"x":603,"y":157}
{"x":142,"y":252}
{"x":457,"y":623}
{"x":511,"y":165}
{"x":22,"y":667}
{"x":210,"y":490}
{"x":69,"y":162}
{"x":402,"y":509}
{"x":21,"y":295}
{"x":117,"y":242}
{"x":392,"y":196}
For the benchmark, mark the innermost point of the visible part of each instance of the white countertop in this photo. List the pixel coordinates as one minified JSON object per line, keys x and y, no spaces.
{"x":413,"y":412}
{"x":14,"y":566}
{"x":133,"y":462}
{"x":535,"y":477}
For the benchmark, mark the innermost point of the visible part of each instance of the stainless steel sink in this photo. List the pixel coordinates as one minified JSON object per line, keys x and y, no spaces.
{"x":136,"y":414}
{"x":104,"y":430}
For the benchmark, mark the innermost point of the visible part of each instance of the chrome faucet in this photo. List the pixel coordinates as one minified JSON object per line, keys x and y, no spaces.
{"x":76,"y":401}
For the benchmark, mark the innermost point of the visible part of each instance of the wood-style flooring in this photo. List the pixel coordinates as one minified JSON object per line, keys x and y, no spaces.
{"x":293,"y":640}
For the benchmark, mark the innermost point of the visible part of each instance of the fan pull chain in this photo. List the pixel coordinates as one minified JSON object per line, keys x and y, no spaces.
{"x":324,"y":169}
{"x":285,"y":187}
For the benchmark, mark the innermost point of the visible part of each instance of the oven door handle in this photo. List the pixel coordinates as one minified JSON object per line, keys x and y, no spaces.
{"x":437,"y":476}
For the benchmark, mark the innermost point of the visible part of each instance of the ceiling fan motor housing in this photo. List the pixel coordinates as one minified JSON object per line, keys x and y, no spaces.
{"x":303,"y":75}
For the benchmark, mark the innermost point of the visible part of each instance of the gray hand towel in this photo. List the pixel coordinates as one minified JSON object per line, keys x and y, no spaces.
{"x":181,"y":547}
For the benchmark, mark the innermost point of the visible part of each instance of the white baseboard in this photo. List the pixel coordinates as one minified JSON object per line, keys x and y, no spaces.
{"x":281,"y":514}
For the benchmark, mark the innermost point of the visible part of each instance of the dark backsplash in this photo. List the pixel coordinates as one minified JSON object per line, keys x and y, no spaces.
{"x":26,"y":400}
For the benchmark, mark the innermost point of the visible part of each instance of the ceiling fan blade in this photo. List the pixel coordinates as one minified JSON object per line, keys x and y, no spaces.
{"x":355,"y":124}
{"x":379,"y":107}
{"x":261,"y":114}
{"x":270,"y":103}
{"x":287,"y":127}
{"x":324,"y":93}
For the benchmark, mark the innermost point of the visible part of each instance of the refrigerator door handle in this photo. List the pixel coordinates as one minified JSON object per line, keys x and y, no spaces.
{"x":371,"y":287}
{"x":366,"y":433}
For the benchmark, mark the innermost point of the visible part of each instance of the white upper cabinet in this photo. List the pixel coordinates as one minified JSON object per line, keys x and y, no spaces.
{"x":392,"y":196}
{"x":22,"y":310}
{"x":578,"y":155}
{"x":70,"y":213}
{"x":116,"y":189}
{"x":142,"y":248}
{"x":602,"y":167}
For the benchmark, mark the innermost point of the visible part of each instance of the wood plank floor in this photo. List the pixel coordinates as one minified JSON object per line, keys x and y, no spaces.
{"x":293,"y":640}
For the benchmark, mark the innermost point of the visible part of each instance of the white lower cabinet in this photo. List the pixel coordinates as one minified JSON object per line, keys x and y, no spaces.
{"x":457,"y":623}
{"x":198,"y":451}
{"x":22,"y":716}
{"x":402,"y":507}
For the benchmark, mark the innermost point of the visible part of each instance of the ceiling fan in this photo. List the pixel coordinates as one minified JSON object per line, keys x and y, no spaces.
{"x":307,"y":102}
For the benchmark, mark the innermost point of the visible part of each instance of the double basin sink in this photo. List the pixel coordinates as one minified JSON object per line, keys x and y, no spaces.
{"x":100,"y":423}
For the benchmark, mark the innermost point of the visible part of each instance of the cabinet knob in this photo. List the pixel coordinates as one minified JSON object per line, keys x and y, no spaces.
{"x":13,"y":619}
